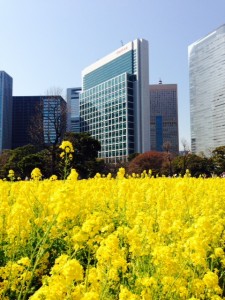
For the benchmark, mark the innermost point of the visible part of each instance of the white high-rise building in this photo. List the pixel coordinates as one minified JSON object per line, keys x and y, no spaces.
{"x":207,"y":91}
{"x":114,"y":103}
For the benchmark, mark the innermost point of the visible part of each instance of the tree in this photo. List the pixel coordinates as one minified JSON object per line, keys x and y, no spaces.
{"x":36,"y":160}
{"x":185,"y":152}
{"x":114,"y":167}
{"x":4,"y":157}
{"x":197,"y":165}
{"x":132,"y":156}
{"x":167,"y":149}
{"x":14,"y":158}
{"x":218,"y":159}
{"x":85,"y":153}
{"x":151,"y":160}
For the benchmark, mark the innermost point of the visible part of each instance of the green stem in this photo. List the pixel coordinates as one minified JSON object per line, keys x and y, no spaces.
{"x":38,"y":257}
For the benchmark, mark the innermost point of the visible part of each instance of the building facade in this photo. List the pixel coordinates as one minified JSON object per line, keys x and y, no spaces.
{"x":207,"y":91}
{"x":73,"y":109}
{"x":38,"y":120}
{"x":26,"y":118}
{"x":164,"y":117}
{"x":114,"y":102}
{"x":54,"y":119}
{"x":6,"y":86}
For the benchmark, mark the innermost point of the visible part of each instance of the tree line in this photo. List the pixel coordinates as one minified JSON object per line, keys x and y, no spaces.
{"x":24,"y":159}
{"x":168,"y":164}
{"x":86,"y":162}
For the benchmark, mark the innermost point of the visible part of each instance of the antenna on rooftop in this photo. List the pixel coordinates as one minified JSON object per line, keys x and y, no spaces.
{"x":160,"y":81}
{"x":121,"y":43}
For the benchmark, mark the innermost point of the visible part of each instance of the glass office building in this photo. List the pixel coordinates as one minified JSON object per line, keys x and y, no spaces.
{"x":38,"y":120}
{"x":73,"y":109}
{"x":164,"y":117}
{"x":207,"y":91}
{"x":114,"y":102}
{"x":6,"y":83}
{"x":27,"y":117}
{"x":54,"y":119}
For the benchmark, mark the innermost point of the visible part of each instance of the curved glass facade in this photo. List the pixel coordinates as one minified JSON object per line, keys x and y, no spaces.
{"x":207,"y":91}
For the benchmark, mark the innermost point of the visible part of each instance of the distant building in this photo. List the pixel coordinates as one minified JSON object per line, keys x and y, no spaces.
{"x":25,"y":110}
{"x":54,"y":118}
{"x":6,"y":85}
{"x":164,"y":117}
{"x":114,"y":102}
{"x":73,"y":109}
{"x":207,"y":91}
{"x":38,"y":120}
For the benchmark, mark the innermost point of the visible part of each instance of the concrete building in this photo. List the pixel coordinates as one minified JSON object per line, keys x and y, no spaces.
{"x":73,"y":109}
{"x":114,"y":102}
{"x":207,"y":91}
{"x":6,"y":86}
{"x":164,"y":117}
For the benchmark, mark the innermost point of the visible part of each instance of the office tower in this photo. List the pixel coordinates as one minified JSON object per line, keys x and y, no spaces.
{"x":24,"y":115}
{"x":38,"y":120}
{"x":207,"y":91}
{"x":6,"y":83}
{"x":164,"y":117}
{"x":54,"y":119}
{"x":73,"y":109}
{"x":114,"y":102}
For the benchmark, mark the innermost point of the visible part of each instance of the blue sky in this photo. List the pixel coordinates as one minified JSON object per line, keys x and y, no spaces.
{"x":45,"y":44}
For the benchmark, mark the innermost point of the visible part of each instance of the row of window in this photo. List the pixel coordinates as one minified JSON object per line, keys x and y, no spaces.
{"x":115,"y":90}
{"x":117,"y":153}
{"x":105,"y":107}
{"x":114,"y":128}
{"x":122,"y":64}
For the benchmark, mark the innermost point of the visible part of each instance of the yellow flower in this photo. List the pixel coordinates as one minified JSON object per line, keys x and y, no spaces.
{"x":53,"y":178}
{"x":219,"y":252}
{"x":62,"y":154}
{"x":121,"y":173}
{"x":91,"y":296}
{"x":11,"y":175}
{"x":36,"y":174}
{"x":73,"y":175}
{"x":137,"y":238}
{"x":125,"y":294}
{"x":211,"y":280}
{"x":67,"y":146}
{"x":25,"y":261}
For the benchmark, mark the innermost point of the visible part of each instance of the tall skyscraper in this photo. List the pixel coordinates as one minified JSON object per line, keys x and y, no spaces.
{"x":6,"y":84}
{"x":164,"y":117}
{"x":207,"y":91}
{"x":73,"y":109}
{"x":114,"y":102}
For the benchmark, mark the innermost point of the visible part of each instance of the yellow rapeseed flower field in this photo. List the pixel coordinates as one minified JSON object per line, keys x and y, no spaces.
{"x":112,"y":238}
